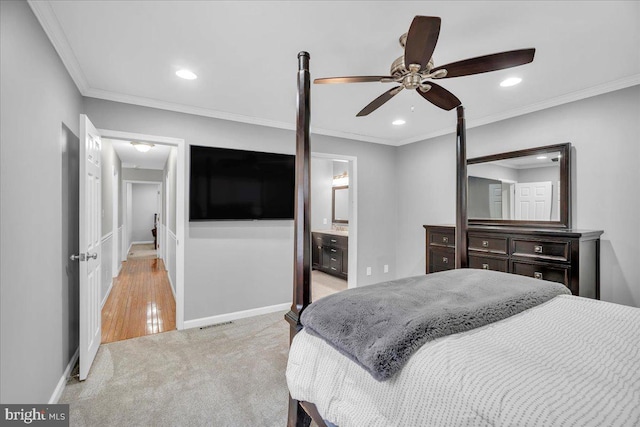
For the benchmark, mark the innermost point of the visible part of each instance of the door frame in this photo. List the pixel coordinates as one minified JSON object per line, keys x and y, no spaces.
{"x":128,"y":195}
{"x":352,"y":278}
{"x":181,"y":170}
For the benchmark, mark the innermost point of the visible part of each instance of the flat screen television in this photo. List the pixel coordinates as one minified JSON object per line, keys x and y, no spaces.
{"x":228,"y":184}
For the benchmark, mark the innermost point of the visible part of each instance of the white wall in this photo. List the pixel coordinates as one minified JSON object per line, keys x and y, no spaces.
{"x":39,"y":112}
{"x":145,"y":201}
{"x":604,"y":131}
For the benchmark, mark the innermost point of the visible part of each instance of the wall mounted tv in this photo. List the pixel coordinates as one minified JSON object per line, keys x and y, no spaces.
{"x":228,"y":184}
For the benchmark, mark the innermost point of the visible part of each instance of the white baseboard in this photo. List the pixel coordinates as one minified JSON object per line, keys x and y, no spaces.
{"x":171,"y":285}
{"x":57,"y":393}
{"x":106,"y":296}
{"x":141,"y":242}
{"x":206,"y":321}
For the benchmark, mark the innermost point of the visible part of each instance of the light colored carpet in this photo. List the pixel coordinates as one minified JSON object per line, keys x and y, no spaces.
{"x":229,"y":375}
{"x":142,"y":251}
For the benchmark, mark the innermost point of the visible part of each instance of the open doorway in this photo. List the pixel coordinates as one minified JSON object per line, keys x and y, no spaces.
{"x":145,"y":296}
{"x":333,"y":224}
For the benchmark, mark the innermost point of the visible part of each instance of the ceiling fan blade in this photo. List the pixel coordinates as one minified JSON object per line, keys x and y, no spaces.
{"x":440,"y":97}
{"x":377,"y":103}
{"x":486,"y":63}
{"x":355,"y":79}
{"x":421,"y":40}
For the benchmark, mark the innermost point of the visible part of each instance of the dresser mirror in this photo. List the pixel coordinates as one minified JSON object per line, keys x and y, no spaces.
{"x":340,"y":211}
{"x":521,"y":188}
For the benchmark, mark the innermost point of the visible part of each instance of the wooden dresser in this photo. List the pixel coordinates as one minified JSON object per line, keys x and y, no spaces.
{"x":330,"y":253}
{"x":567,"y":256}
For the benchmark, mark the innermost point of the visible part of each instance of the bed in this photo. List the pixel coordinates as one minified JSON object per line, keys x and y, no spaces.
{"x":558,"y":360}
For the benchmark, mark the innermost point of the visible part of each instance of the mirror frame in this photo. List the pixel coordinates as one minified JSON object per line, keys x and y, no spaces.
{"x":333,"y":205}
{"x":565,"y":186}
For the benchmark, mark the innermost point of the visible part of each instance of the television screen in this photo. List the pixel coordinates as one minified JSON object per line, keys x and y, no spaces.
{"x":230,"y":184}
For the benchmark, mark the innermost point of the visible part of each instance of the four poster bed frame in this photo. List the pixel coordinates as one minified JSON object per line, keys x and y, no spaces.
{"x":301,"y":413}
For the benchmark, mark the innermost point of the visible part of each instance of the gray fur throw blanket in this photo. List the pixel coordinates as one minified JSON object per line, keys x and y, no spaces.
{"x":380,"y":326}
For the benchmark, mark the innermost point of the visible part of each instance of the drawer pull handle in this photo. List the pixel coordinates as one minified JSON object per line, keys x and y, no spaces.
{"x":333,"y":268}
{"x":334,"y":250}
{"x":333,"y":259}
{"x":537,"y":249}
{"x":445,"y":239}
{"x":485,"y":244}
{"x":333,"y":240}
{"x":445,"y":260}
{"x":537,"y":275}
{"x":485,"y":266}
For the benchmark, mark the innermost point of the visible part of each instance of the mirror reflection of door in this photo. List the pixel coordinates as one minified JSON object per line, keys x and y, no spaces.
{"x":340,"y":212}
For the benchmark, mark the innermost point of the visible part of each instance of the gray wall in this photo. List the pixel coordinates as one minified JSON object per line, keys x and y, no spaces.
{"x":144,"y":198}
{"x":131,"y":174}
{"x":233,"y":266}
{"x":110,"y":164}
{"x":38,"y":294}
{"x":321,"y":179}
{"x":604,"y":131}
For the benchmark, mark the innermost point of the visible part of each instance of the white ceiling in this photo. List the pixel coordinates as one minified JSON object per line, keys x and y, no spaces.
{"x":244,"y":53}
{"x":155,"y":158}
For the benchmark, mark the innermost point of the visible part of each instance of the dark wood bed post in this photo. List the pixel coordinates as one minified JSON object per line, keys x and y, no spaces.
{"x":302,"y":224}
{"x":461,"y":191}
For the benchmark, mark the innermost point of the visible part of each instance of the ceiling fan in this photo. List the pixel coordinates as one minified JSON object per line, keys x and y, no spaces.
{"x":415,"y":69}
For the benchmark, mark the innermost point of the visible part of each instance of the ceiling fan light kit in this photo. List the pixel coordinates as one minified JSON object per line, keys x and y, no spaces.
{"x":415,"y":69}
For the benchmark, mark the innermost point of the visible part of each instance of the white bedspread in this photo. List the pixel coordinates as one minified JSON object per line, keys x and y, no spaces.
{"x":568,"y":362}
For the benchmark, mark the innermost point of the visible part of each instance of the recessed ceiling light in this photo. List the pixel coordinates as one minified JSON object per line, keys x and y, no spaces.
{"x":398,"y":122}
{"x":186,"y":74}
{"x":511,"y":81}
{"x":541,"y":157}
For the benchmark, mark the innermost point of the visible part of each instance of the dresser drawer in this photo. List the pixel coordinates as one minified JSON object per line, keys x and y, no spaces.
{"x":442,"y":238}
{"x":544,"y":249}
{"x":442,"y":259}
{"x":480,"y":243}
{"x":332,"y":240}
{"x":488,"y":263}
{"x":550,"y":272}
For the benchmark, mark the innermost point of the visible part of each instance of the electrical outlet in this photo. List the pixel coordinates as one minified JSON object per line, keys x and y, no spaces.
{"x":368,"y":271}
{"x":386,"y":268}
{"x":324,"y":220}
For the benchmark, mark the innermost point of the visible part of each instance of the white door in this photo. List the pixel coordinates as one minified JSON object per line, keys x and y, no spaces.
{"x":533,"y":201}
{"x":90,"y":256}
{"x":495,"y":201}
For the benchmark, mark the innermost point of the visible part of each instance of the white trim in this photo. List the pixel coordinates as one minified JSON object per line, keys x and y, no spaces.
{"x":107,"y":236}
{"x":141,"y":242}
{"x":106,"y":295}
{"x":212,"y":320}
{"x":51,"y":26}
{"x":49,"y":22}
{"x":171,"y":233}
{"x":181,"y":205}
{"x":62,"y":382}
{"x":352,"y":278}
{"x":548,"y":103}
{"x":170,"y":283}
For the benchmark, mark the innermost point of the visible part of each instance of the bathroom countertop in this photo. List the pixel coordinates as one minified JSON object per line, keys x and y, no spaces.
{"x":334,"y":232}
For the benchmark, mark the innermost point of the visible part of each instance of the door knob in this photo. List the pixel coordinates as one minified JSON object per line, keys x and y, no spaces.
{"x":79,"y":257}
{"x":93,"y":255}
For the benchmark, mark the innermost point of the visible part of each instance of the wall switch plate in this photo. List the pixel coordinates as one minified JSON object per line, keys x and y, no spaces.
{"x":324,"y":220}
{"x":386,"y":268}
{"x":368,"y":271}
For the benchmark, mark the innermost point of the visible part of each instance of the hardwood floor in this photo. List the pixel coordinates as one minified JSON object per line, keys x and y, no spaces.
{"x":140,"y":302}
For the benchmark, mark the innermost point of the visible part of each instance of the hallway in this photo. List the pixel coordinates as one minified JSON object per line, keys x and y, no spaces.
{"x":141,"y":302}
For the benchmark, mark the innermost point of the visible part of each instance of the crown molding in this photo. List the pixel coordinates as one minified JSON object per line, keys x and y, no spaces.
{"x":49,"y":22}
{"x":612,"y":86}
{"x":223,"y":115}
{"x":52,"y":28}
